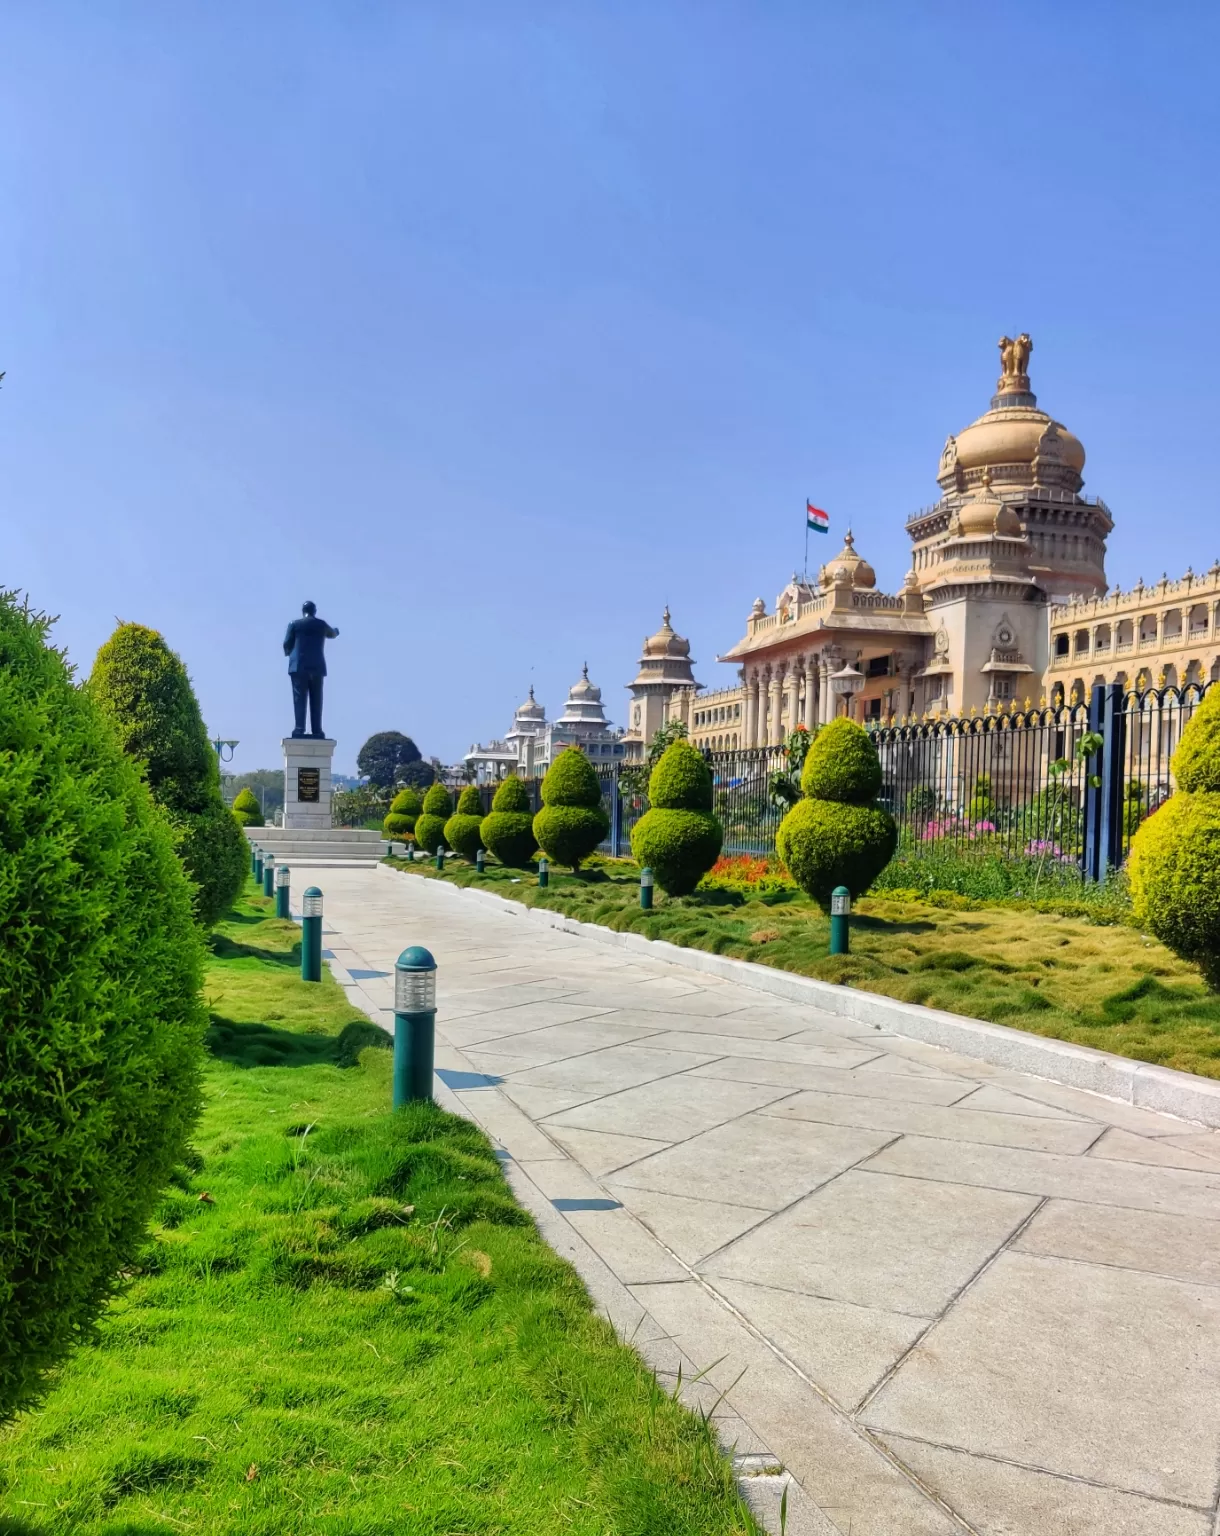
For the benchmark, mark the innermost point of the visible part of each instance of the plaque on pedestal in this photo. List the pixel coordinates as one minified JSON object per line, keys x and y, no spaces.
{"x":307,"y":762}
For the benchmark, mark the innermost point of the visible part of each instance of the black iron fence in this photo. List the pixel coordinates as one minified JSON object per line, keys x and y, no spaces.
{"x":1067,"y":783}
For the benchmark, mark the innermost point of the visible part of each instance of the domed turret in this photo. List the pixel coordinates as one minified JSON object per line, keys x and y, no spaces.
{"x":584,"y":703}
{"x":666,"y":642}
{"x":848,"y":566}
{"x":531,"y":710}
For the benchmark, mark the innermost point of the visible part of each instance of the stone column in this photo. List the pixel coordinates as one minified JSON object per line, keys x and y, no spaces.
{"x":811,"y":692}
{"x":794,"y":691}
{"x":751,"y":709}
{"x":825,"y":698}
{"x":774,"y":729}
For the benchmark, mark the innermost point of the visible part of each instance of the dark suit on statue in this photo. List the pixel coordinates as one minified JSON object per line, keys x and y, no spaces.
{"x":305,"y":648}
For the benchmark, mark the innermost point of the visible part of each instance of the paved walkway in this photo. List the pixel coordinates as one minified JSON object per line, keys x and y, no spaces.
{"x":944,"y":1296}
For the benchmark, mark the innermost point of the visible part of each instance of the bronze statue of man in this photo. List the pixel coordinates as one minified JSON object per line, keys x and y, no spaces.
{"x":305,"y":648}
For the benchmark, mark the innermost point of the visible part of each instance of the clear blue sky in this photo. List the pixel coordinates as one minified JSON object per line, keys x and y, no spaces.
{"x":493,"y":327}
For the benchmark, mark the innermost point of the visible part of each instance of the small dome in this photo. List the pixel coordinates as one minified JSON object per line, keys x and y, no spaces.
{"x":666,"y":642}
{"x":584,"y":689}
{"x":847,"y":563}
{"x":984,"y":515}
{"x":531,"y":709}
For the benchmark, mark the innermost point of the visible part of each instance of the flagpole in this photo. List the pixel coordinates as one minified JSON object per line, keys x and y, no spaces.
{"x":805,"y":574}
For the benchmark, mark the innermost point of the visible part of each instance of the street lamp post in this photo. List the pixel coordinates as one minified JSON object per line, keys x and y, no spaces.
{"x":846,"y":683}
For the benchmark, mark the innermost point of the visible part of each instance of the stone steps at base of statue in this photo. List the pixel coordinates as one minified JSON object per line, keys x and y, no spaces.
{"x":272,"y":837}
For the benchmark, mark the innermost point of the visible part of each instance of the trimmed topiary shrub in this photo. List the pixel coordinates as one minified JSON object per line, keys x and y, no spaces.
{"x":463,"y":830}
{"x":508,"y":830}
{"x":143,"y":689}
{"x":100,"y":962}
{"x":1174,"y":863}
{"x":571,"y":822}
{"x":838,"y":834}
{"x":247,"y":810}
{"x":404,"y":811}
{"x":430,"y":826}
{"x":678,"y":838}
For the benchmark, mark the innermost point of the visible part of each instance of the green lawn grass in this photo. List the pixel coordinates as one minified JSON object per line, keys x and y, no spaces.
{"x":1107,"y":986}
{"x":344,"y":1325}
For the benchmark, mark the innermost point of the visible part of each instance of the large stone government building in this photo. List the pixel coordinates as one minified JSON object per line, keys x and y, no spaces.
{"x":1006,"y":600}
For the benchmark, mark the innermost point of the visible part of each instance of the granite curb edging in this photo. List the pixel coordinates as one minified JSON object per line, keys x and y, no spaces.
{"x":1141,"y":1084}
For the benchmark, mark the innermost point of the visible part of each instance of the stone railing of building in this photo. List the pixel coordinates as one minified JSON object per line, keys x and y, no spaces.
{"x":1188,"y":591}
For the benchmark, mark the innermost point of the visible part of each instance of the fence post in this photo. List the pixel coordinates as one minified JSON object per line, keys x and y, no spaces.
{"x":1094,"y":856}
{"x":614,"y":814}
{"x":1113,"y":779}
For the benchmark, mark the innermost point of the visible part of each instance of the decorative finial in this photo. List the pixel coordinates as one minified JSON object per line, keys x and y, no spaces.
{"x":848,"y":541}
{"x":987,"y":477}
{"x":665,"y":617}
{"x":1014,"y":361}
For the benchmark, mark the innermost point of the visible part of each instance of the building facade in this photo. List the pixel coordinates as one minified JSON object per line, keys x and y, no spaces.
{"x":531,"y":743}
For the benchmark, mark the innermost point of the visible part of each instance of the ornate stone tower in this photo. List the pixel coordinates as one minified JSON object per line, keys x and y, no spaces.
{"x":665,"y":670}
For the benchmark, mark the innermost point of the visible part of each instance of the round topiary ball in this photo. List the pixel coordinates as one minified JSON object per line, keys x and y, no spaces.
{"x":842,"y":764}
{"x":430,"y":826}
{"x":403,"y":813}
{"x":463,"y":829}
{"x":1174,"y":871}
{"x":678,"y":838}
{"x":398,"y":827}
{"x":247,"y":810}
{"x":824,"y":843}
{"x":508,"y":830}
{"x":100,"y":963}
{"x":571,"y":822}
{"x":1196,"y":763}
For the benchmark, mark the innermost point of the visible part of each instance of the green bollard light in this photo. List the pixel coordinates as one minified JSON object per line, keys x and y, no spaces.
{"x":544,"y":873}
{"x":480,"y":861}
{"x":311,"y":935}
{"x":646,"y":884}
{"x":258,"y":865}
{"x":840,"y":920}
{"x":414,"y":1025}
{"x":253,"y":860}
{"x":283,"y":881}
{"x":440,"y":856}
{"x":269,"y":877}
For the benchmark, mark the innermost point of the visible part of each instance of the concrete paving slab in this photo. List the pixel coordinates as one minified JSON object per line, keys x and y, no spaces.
{"x":794,"y":1075}
{"x":844,"y":1055}
{"x":627,"y":1246}
{"x":999,"y":1499}
{"x":755,"y":1161}
{"x":955,"y":1124}
{"x":609,"y":1070}
{"x":1157,"y":1241}
{"x":670,"y":1102}
{"x":691,"y":1227}
{"x":900,"y":1245}
{"x":1118,"y":1391}
{"x":601,"y":1152}
{"x":1126,"y":1147}
{"x":1002,"y":1101}
{"x":555,"y":1042}
{"x":520,"y":1020}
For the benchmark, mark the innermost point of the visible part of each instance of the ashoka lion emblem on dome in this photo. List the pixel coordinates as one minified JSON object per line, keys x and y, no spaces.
{"x":1014,"y":360}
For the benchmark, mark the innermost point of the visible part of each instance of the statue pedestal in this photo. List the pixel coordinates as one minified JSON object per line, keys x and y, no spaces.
{"x":307,"y":781}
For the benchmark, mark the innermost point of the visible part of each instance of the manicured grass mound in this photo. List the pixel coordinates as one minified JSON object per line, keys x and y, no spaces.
{"x":838,"y":834}
{"x":430,"y":826}
{"x":404,"y":812}
{"x":99,"y":976}
{"x":507,"y":831}
{"x":142,"y":688}
{"x":247,"y":810}
{"x":1174,"y":863}
{"x":358,"y":1332}
{"x":463,"y":829}
{"x":678,"y":838}
{"x":571,"y":822}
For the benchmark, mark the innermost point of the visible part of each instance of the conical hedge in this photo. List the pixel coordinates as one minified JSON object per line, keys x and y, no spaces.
{"x":838,"y":834}
{"x":100,"y":961}
{"x":571,"y":822}
{"x":462,"y":830}
{"x":430,"y":827}
{"x":508,"y":830}
{"x":142,"y":688}
{"x":247,"y":810}
{"x":677,"y":837}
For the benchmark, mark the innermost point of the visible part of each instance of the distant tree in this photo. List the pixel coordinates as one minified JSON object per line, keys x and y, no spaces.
{"x":266,"y":784}
{"x":382,"y":755}
{"x":418,"y":775}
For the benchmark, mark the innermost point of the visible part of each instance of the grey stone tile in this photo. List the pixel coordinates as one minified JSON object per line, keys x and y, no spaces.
{"x":601,"y":1151}
{"x":511,"y":1021}
{"x":1122,"y":1391}
{"x":843,"y":1055}
{"x":893,"y":1064}
{"x":1182,"y":1246}
{"x":1125,"y":1147}
{"x":505,"y":1124}
{"x":466,"y":1004}
{"x":794,"y":1075}
{"x":626,"y":1246}
{"x":755,"y":1161}
{"x":678,"y":1106}
{"x":556,"y":1042}
{"x":731,"y":1024}
{"x":1002,"y":1101}
{"x":538,"y":1103}
{"x":1089,"y":1179}
{"x":844,"y":1475}
{"x":845,"y":1349}
{"x":895,"y":1244}
{"x":1089,"y":1106}
{"x":692,"y":1228}
{"x":1203,"y":1143}
{"x":610,"y":1070}
{"x":955,"y":1124}
{"x":998,"y":1499}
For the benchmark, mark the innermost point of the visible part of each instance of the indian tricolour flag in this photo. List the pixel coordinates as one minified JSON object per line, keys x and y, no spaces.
{"x":819,"y":521}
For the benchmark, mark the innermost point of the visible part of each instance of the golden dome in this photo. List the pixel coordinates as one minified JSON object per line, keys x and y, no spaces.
{"x":1017,"y":435}
{"x":984,"y":515}
{"x":666,"y":642}
{"x":847,"y":563}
